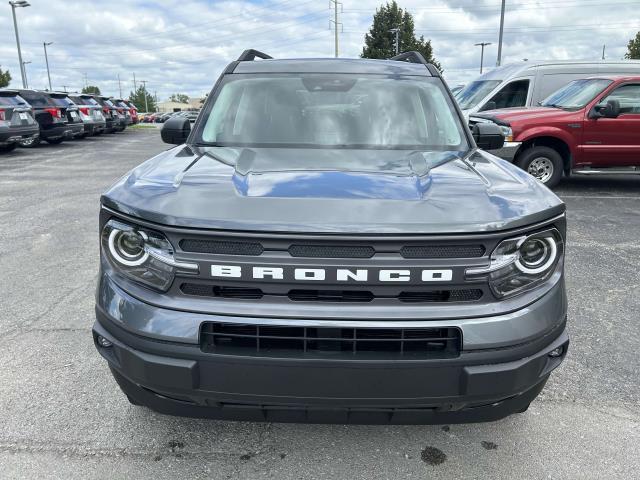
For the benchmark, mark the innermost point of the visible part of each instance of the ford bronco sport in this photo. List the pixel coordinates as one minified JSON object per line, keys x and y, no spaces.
{"x":329,"y":244}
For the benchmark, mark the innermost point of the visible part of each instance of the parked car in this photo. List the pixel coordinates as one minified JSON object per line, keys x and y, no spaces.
{"x":588,"y":127}
{"x":91,"y":114}
{"x":527,"y":83}
{"x":150,"y":118}
{"x":123,"y":109}
{"x":52,"y":119}
{"x":72,"y":112}
{"x":331,"y":245}
{"x":192,"y":115}
{"x":133,"y":110}
{"x":113,"y":121}
{"x":16,"y":120}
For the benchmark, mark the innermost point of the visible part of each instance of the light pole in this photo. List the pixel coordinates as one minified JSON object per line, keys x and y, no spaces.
{"x":24,"y":68}
{"x":396,"y":31}
{"x":499,"y":60}
{"x":146,"y":106}
{"x":14,"y":5}
{"x":482,"y":44}
{"x":46,"y":59}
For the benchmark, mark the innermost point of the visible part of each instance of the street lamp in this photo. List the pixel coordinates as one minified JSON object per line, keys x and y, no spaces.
{"x":482,"y":44}
{"x":396,"y":31}
{"x":26,"y":83}
{"x":46,"y":59}
{"x":18,"y":4}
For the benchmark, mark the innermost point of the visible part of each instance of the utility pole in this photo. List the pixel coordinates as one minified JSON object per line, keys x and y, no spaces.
{"x":64,"y":87}
{"x":46,"y":59}
{"x":482,"y":44}
{"x":501,"y":34}
{"x":14,"y":5}
{"x":603,"y":47}
{"x":86,"y":81}
{"x":24,"y":68}
{"x":135,"y":87}
{"x":119,"y":86}
{"x":146,"y":106}
{"x":335,"y":22}
{"x":396,"y":31}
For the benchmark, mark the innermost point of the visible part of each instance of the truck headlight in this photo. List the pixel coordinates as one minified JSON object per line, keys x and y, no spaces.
{"x":507,"y":133}
{"x":142,"y":255}
{"x":521,"y":263}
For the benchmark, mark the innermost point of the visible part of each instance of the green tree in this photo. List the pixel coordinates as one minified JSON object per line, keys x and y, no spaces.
{"x":633,"y":48}
{"x":5,"y":78}
{"x":138,"y":97}
{"x":179,"y":97}
{"x":380,"y":42}
{"x":92,"y":89}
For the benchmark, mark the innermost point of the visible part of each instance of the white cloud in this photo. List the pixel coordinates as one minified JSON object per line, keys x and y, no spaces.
{"x":183,"y":46}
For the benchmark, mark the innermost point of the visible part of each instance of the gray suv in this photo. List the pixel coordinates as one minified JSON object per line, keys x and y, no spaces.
{"x":328,"y":243}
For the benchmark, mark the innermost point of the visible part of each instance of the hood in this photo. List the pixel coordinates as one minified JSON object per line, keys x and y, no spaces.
{"x":515,"y":115}
{"x":331,"y":191}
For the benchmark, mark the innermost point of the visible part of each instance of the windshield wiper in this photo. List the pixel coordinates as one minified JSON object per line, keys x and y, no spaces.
{"x":552,"y":105}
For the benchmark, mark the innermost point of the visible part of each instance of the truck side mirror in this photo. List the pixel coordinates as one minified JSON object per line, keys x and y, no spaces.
{"x":488,"y":136}
{"x":176,"y":130}
{"x":611,"y":109}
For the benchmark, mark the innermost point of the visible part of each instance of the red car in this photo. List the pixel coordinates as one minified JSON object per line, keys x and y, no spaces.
{"x":589,"y":126}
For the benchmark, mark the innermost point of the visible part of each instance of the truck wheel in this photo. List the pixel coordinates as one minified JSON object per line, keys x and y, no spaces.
{"x":30,"y":142}
{"x":543,"y":163}
{"x":8,"y":148}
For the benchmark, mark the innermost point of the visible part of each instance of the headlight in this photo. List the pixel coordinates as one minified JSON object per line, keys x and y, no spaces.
{"x":141,"y":254}
{"x":507,"y":133}
{"x":519,"y":264}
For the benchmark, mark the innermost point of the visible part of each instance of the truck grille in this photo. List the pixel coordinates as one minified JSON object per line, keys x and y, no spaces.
{"x":328,"y":295}
{"x":329,"y":342}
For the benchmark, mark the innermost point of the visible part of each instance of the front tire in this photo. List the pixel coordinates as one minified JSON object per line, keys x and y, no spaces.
{"x":543,"y":163}
{"x":30,"y":142}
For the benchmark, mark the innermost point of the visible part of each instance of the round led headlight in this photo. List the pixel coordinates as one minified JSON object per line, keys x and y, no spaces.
{"x":128,"y":247}
{"x":536,"y":254}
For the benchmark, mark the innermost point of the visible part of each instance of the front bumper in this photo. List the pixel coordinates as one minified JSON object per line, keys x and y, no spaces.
{"x":508,"y":151}
{"x":177,"y":377}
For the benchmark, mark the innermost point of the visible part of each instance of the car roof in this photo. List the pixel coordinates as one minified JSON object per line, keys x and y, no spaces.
{"x":332,"y":65}
{"x":624,"y":78}
{"x":510,"y":70}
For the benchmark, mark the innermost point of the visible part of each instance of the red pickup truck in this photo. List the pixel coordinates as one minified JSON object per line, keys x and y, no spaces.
{"x":589,"y":126}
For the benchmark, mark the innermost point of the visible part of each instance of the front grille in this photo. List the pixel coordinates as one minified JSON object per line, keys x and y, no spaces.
{"x":331,"y":251}
{"x":329,"y":342}
{"x":221,"y":247}
{"x":203,"y":290}
{"x":329,"y":295}
{"x":442,"y":251}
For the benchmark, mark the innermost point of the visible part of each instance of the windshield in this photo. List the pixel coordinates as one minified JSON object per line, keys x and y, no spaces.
{"x":576,"y":94}
{"x":61,"y":101}
{"x":472,"y":94}
{"x":332,"y":111}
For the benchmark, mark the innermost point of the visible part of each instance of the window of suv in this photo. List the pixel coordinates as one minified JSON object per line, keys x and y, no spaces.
{"x":61,"y":100}
{"x":473,"y":93}
{"x":36,"y":99}
{"x":12,"y":100}
{"x":333,"y":111}
{"x":513,"y":94}
{"x":628,"y":96}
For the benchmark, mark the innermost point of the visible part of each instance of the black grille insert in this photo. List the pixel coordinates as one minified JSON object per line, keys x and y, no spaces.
{"x":465,"y":295}
{"x":203,"y":290}
{"x":331,"y":251}
{"x":217,"y":247}
{"x":442,"y":251}
{"x":300,"y":295}
{"x":330,"y":342}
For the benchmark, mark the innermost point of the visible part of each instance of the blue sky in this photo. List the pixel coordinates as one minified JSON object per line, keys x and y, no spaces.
{"x":183,"y":46}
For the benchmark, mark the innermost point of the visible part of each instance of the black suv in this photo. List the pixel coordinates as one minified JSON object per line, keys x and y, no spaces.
{"x":331,"y":245}
{"x":52,"y":118}
{"x":71,"y":111}
{"x":16,"y":120}
{"x":91,"y":113}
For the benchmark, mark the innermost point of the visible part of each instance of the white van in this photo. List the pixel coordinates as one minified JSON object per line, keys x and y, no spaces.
{"x":527,"y":83}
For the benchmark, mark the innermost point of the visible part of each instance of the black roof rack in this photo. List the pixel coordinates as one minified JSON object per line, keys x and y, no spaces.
{"x":416,"y":57}
{"x":251,"y":54}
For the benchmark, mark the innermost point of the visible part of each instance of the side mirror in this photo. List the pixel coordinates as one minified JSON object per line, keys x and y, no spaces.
{"x":488,"y":136}
{"x":491,"y":105}
{"x":611,"y":109}
{"x":176,"y":130}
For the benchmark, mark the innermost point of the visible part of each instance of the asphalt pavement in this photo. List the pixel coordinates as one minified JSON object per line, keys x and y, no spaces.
{"x":62,"y":415}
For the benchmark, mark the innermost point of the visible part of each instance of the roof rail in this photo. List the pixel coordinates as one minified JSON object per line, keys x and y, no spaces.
{"x":416,"y":57}
{"x":411,"y":57}
{"x":251,"y":54}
